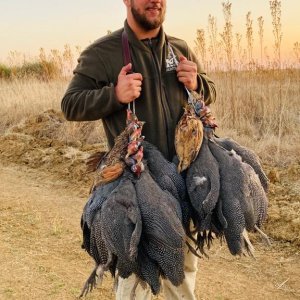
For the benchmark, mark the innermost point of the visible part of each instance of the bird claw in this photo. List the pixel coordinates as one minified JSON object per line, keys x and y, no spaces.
{"x":137,"y":282}
{"x":91,"y":282}
{"x":248,"y":244}
{"x":263,"y":235}
{"x":89,"y":285}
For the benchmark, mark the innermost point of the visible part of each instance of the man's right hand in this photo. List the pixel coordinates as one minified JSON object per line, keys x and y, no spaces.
{"x":129,"y":86}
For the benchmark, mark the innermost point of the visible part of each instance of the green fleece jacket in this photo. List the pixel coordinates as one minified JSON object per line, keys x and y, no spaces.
{"x":91,"y":93}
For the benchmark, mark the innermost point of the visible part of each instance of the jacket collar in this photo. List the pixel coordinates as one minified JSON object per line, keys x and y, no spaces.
{"x":134,"y":41}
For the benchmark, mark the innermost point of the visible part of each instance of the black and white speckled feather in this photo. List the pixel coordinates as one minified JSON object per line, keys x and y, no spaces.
{"x":248,"y":156}
{"x":162,"y":229}
{"x":203,"y":185}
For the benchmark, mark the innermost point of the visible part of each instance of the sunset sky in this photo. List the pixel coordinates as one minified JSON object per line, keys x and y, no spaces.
{"x":25,"y":26}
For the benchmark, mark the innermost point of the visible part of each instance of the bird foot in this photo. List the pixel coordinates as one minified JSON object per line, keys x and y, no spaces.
{"x":137,"y":282}
{"x":132,"y":294}
{"x":193,"y":250}
{"x":248,"y":245}
{"x":263,"y":235}
{"x":92,"y":281}
{"x":116,"y":282}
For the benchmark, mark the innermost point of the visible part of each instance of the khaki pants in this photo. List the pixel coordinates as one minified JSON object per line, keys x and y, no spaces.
{"x":171,"y":292}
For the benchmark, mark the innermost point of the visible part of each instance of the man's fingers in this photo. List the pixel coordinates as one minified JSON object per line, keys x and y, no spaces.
{"x":135,"y":76}
{"x":182,"y":58}
{"x":182,"y":74}
{"x":137,"y":92}
{"x":187,"y":66}
{"x":132,"y":83}
{"x":129,"y":85}
{"x":185,"y":79}
{"x":126,"y":69}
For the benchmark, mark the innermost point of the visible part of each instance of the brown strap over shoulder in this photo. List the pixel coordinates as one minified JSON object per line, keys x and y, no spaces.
{"x":126,"y":49}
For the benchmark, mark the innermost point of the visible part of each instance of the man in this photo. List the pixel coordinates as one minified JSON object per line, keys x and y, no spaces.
{"x":102,"y":87}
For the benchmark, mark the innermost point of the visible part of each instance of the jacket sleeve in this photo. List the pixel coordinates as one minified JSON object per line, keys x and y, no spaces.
{"x":90,"y":94}
{"x":206,"y":86}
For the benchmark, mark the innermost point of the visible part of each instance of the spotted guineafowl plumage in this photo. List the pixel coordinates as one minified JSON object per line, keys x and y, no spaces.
{"x":166,"y":176}
{"x":257,"y":195}
{"x":121,"y":225}
{"x":203,"y":184}
{"x":233,"y":188}
{"x":162,"y":229}
{"x":164,"y":172}
{"x":248,"y":156}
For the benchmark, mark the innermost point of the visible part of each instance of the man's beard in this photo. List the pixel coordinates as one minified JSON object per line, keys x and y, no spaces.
{"x":146,"y":24}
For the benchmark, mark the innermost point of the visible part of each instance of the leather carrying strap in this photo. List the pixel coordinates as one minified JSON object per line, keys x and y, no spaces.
{"x":126,"y":50}
{"x":127,"y":60}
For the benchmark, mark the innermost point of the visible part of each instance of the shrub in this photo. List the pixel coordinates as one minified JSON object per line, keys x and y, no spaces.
{"x":42,"y":70}
{"x":29,"y":69}
{"x":5,"y":72}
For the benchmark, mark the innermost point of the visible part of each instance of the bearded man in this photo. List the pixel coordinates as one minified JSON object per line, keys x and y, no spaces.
{"x":161,"y":68}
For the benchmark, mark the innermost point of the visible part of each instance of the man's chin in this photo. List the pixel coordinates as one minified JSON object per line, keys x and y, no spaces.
{"x":154,"y":22}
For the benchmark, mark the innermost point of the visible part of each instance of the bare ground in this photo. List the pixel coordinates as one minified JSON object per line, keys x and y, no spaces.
{"x":43,"y":189}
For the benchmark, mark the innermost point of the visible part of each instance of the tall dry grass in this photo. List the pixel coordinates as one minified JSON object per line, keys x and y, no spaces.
{"x":266,"y":103}
{"x":25,"y":97}
{"x":267,"y":111}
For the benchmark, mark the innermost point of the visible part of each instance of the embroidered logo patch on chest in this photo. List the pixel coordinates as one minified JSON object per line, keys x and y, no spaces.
{"x":171,"y":62}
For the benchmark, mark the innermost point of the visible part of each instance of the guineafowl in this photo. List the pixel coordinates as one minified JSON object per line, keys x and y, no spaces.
{"x":233,"y":188}
{"x":164,"y":172}
{"x":203,"y":184}
{"x":96,"y":200}
{"x":163,"y":233}
{"x":121,"y":225}
{"x":248,"y":156}
{"x":257,"y":195}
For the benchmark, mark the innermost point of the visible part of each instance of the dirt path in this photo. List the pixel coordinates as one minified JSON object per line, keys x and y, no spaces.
{"x":41,"y":256}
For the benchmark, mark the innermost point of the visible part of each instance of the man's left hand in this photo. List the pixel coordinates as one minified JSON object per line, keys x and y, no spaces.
{"x":187,"y":73}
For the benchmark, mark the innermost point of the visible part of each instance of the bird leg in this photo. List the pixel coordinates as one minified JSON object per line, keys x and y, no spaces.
{"x":263,"y":235}
{"x":137,"y":282}
{"x":98,"y":272}
{"x":108,"y":262}
{"x":192,"y":249}
{"x":91,"y":282}
{"x":116,"y":282}
{"x":132,"y":294}
{"x":248,"y":244}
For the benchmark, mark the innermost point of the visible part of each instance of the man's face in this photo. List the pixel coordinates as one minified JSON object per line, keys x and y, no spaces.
{"x":148,"y":14}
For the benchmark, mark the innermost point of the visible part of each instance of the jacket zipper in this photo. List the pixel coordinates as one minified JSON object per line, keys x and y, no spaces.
{"x":157,"y":67}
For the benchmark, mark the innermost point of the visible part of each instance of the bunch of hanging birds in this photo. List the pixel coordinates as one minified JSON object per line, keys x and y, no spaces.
{"x":132,"y":223}
{"x":225,"y":181}
{"x":140,"y":208}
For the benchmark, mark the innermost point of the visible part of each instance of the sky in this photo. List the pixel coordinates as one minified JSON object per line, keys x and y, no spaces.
{"x":26,"y":26}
